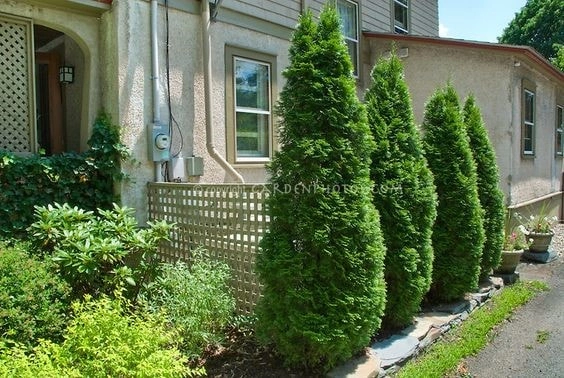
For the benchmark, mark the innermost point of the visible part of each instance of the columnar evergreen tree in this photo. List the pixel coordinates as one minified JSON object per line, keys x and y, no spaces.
{"x":321,"y":261}
{"x":491,"y":196}
{"x":404,"y":192}
{"x":458,"y":233}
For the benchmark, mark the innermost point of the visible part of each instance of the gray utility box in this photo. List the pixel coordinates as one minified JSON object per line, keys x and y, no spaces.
{"x":179,"y":169}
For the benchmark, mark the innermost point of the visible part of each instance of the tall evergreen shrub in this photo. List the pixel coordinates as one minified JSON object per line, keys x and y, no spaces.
{"x":321,"y":261}
{"x":404,"y":192}
{"x":458,"y":233}
{"x":491,"y":196}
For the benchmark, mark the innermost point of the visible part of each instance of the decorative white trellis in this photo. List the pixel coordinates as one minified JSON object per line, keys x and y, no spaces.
{"x":17,"y":121}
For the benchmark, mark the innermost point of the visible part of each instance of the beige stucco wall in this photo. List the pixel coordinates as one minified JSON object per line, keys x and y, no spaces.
{"x":84,"y":30}
{"x":127,"y":88}
{"x":495,"y":81}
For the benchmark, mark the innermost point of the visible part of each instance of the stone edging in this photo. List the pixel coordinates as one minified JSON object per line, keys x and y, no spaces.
{"x":385,"y":357}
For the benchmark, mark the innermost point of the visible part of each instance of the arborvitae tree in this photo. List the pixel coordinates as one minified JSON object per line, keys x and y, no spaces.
{"x":404,"y":192}
{"x":321,"y":261}
{"x":491,"y":196}
{"x":458,"y":233}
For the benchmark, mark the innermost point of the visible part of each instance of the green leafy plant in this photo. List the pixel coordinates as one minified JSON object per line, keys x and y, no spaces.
{"x":104,"y":340}
{"x":489,"y":193}
{"x":33,"y":299}
{"x":85,"y":180}
{"x":515,"y":235}
{"x":98,"y":253}
{"x":458,"y":233}
{"x":541,"y":222}
{"x":404,"y":192}
{"x":195,"y":299}
{"x":321,"y":261}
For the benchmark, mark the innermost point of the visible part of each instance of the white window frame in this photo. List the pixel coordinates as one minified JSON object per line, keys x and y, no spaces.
{"x":353,"y":40}
{"x":400,"y":29}
{"x":559,"y":131}
{"x":232,"y":55}
{"x":528,"y":123}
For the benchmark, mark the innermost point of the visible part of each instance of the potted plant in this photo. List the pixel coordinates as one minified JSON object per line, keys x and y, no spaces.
{"x":538,"y":228}
{"x":514,"y":244}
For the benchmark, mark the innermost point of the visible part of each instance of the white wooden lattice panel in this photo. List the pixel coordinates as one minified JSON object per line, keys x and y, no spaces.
{"x":228,"y":220}
{"x":16,"y":85}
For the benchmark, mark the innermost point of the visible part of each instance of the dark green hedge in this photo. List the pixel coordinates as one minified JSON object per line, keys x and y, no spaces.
{"x":404,"y":192}
{"x":491,"y":196}
{"x":458,"y":234}
{"x":85,"y":180}
{"x":321,"y":262}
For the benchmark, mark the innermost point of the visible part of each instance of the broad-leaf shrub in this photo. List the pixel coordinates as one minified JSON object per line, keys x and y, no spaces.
{"x":98,"y":253}
{"x":491,"y":196}
{"x":195,"y":299}
{"x":85,"y":180}
{"x":321,"y":261}
{"x":404,"y":192}
{"x":104,"y":340}
{"x":33,"y":299}
{"x":458,"y":234}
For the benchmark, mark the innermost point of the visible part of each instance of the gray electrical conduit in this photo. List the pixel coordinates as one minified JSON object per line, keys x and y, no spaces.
{"x":155,"y":80}
{"x":207,"y":95}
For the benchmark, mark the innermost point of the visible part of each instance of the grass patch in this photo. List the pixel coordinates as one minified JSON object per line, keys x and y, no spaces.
{"x":542,"y":336}
{"x":472,"y":335}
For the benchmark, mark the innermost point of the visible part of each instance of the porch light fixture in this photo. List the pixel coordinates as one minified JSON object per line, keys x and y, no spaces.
{"x":66,"y":74}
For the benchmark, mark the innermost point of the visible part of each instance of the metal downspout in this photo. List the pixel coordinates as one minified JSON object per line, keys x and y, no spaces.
{"x":155,"y":79}
{"x":206,"y":40}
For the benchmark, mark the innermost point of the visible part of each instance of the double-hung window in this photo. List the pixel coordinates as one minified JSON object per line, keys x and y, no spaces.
{"x":559,"y":131}
{"x":249,"y":106}
{"x":401,"y":16}
{"x":528,"y":126}
{"x":348,"y":13}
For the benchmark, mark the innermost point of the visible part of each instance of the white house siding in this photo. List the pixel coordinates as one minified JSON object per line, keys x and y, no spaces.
{"x":491,"y":75}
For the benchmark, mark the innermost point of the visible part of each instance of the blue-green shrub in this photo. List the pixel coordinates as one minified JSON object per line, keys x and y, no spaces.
{"x":195,"y":299}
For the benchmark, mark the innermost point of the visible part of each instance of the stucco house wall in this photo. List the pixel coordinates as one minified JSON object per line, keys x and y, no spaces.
{"x":494,"y":74}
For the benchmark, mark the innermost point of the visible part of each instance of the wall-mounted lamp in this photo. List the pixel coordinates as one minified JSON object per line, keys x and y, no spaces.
{"x":66,"y":74}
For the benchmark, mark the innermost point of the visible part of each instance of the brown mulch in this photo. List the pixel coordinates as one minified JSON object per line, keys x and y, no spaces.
{"x":241,"y":356}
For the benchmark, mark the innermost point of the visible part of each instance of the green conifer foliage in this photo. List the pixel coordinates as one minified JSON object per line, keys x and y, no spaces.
{"x":321,"y":261}
{"x":458,"y":233}
{"x":404,"y":192}
{"x":491,"y":196}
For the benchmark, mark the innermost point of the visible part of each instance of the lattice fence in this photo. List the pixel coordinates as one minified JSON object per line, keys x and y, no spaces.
{"x":16,"y":103}
{"x":228,"y":220}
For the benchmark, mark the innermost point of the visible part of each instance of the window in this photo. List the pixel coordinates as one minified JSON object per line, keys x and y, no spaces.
{"x":249,"y":88}
{"x":401,"y":16}
{"x":559,"y":131}
{"x":348,"y":13}
{"x":528,"y":127}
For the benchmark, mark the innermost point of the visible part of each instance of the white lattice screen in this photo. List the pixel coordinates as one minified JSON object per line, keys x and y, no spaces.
{"x":16,"y":85}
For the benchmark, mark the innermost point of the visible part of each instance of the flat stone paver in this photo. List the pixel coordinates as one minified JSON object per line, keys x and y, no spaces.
{"x":419,"y":329}
{"x":395,"y":349}
{"x":367,"y":366}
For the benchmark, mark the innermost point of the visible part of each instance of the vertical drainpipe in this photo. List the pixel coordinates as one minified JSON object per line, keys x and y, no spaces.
{"x":208,"y":96}
{"x":155,"y":80}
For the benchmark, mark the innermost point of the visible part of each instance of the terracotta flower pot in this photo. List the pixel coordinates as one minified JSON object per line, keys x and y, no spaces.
{"x":509,"y":261}
{"x":540,"y":241}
